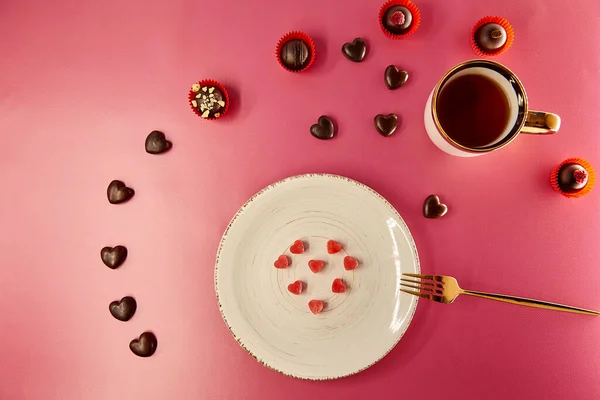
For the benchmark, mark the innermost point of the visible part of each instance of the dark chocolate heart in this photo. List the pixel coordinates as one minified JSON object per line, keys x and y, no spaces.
{"x":123,"y":309}
{"x":356,"y":50}
{"x":145,"y":346}
{"x":432,"y":208}
{"x":386,"y":124}
{"x":156,"y":143}
{"x":324,"y":129}
{"x":394,"y":78}
{"x":118,"y":192}
{"x":113,"y":257}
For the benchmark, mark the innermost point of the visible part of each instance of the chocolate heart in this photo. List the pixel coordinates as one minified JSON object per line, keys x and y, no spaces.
{"x":156,"y":143}
{"x":118,"y":192}
{"x":356,"y":50}
{"x":145,"y":346}
{"x":113,"y":257}
{"x":432,"y":208}
{"x":394,"y":78}
{"x":386,"y":124}
{"x":123,"y":309}
{"x":324,"y":129}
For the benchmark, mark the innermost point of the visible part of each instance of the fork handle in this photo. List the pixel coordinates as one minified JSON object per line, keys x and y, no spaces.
{"x":530,"y":302}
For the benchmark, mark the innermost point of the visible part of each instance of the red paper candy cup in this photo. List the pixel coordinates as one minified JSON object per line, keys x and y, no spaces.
{"x":414,"y":10}
{"x":510,"y":36}
{"x":301,"y":36}
{"x":586,"y":189}
{"x":208,"y":82}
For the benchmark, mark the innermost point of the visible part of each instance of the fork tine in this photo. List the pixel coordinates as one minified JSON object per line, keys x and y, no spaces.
{"x":427,"y":283}
{"x":425,"y":289}
{"x":425,"y":296}
{"x":430,"y":277}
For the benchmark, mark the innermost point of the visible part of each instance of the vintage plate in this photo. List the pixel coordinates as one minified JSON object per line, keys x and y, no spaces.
{"x":356,"y":328}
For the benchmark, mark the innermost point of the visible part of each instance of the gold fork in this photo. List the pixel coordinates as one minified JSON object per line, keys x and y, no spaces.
{"x":445,"y":289}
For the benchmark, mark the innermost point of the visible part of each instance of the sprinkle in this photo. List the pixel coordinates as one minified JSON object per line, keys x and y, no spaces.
{"x":195,"y":87}
{"x":205,"y":114}
{"x":194,"y":103}
{"x":398,"y":18}
{"x":221,"y":103}
{"x":217,"y":115}
{"x":199,"y":95}
{"x":580,"y":176}
{"x":496,"y":34}
{"x":212,"y":89}
{"x":204,"y":89}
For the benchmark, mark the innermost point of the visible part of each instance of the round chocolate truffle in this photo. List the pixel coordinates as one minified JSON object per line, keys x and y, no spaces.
{"x":397,"y":19}
{"x":209,"y":101}
{"x":295,"y":54}
{"x":572,"y":178}
{"x":491,"y":37}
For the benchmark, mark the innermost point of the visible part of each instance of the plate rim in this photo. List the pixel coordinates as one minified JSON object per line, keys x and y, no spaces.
{"x":308,"y":176}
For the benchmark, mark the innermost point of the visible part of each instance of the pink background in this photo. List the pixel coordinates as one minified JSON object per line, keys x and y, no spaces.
{"x":84,"y":82}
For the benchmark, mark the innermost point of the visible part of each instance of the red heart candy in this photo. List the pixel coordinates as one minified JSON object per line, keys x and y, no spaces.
{"x":296,"y":287}
{"x":297,"y":247}
{"x":282,"y":262}
{"x":338,"y":286}
{"x":316,"y":306}
{"x":350,"y":263}
{"x":333,"y":247}
{"x":316,"y":265}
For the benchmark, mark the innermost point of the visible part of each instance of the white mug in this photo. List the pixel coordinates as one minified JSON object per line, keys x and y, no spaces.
{"x":520,"y":119}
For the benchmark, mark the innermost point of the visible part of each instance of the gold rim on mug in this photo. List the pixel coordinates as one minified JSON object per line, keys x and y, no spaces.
{"x":528,"y":121}
{"x":460,"y":67}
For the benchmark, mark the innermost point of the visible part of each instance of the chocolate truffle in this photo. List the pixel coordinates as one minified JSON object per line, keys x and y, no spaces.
{"x":209,"y":101}
{"x":572,"y":178}
{"x":397,"y":19}
{"x":491,"y":37}
{"x":295,"y":54}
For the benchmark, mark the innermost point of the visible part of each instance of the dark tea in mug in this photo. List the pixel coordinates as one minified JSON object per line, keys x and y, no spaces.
{"x":473,"y":110}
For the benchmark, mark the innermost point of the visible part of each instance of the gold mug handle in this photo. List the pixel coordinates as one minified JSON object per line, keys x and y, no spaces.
{"x":541,"y":123}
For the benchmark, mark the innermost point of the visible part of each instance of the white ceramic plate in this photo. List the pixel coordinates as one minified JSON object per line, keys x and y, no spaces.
{"x":356,"y":328}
